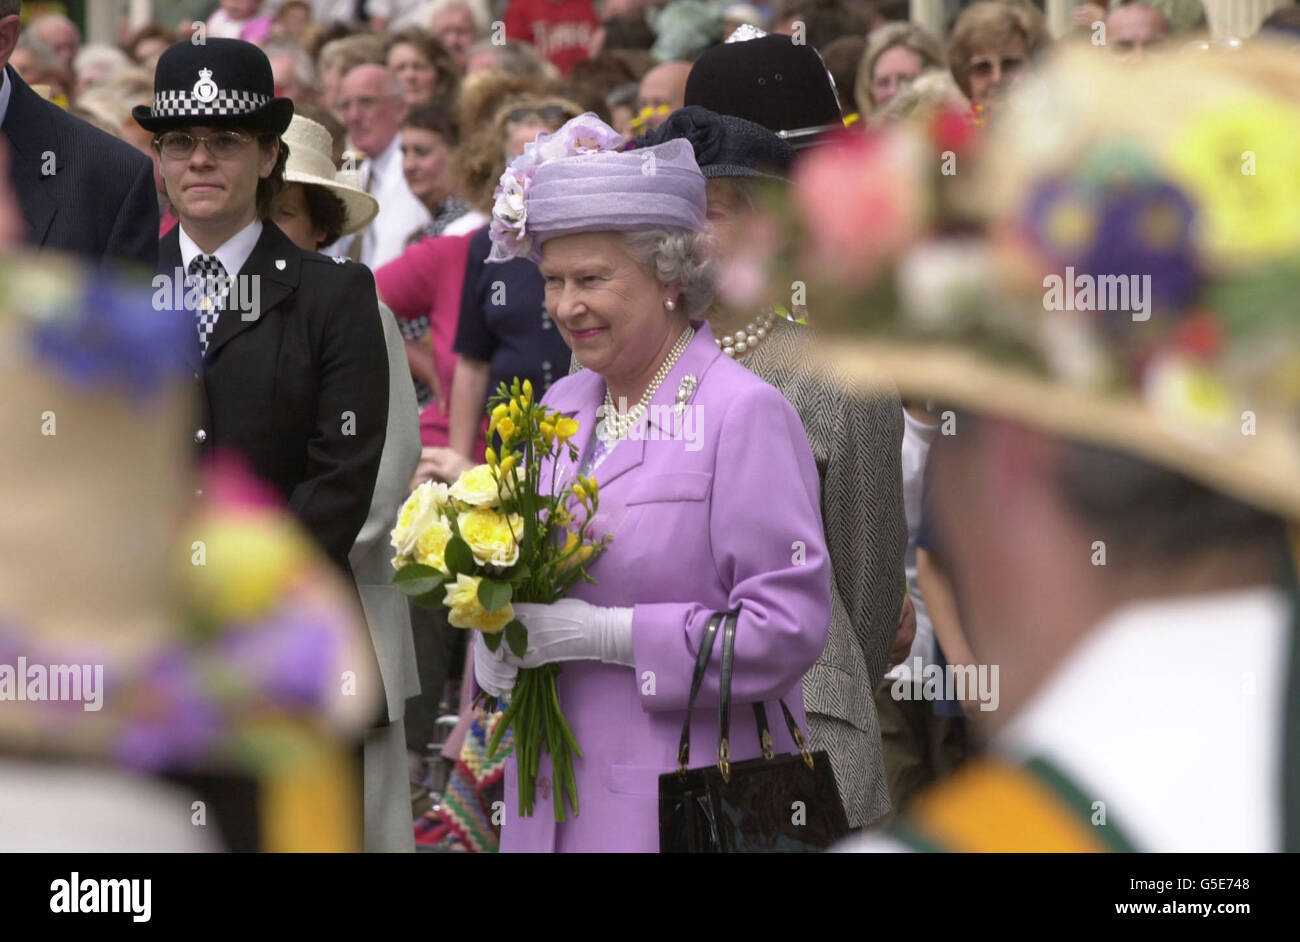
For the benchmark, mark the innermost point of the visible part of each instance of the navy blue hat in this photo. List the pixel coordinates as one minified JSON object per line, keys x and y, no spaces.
{"x":725,"y":146}
{"x":772,"y":81}
{"x":220,"y":82}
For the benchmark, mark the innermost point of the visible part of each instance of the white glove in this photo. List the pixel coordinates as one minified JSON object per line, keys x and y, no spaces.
{"x":573,"y":630}
{"x":490,"y":669}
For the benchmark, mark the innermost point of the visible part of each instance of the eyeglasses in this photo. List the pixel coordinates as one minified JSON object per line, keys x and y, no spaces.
{"x":985,"y":66}
{"x":548,"y":114}
{"x":222,"y":145}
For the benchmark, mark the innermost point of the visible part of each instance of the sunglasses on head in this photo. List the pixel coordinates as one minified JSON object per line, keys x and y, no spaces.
{"x":985,"y":66}
{"x":548,"y":114}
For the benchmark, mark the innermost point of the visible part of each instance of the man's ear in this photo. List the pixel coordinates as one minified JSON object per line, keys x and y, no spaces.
{"x":10,"y":28}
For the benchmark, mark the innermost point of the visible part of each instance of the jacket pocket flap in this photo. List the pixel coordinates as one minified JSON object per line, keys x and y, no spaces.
{"x":683,"y":485}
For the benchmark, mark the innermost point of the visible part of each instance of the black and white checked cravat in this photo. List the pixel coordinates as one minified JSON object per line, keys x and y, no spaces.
{"x":210,"y":276}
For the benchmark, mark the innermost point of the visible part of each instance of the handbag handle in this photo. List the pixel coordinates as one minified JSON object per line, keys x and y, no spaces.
{"x":697,"y":679}
{"x":730,"y":620}
{"x":760,"y":709}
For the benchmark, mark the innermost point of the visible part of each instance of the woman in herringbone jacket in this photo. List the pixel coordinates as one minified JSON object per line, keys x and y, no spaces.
{"x":855,"y":440}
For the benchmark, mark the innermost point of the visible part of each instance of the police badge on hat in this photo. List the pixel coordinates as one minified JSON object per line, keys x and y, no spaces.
{"x":205,"y":90}
{"x":243,"y":97}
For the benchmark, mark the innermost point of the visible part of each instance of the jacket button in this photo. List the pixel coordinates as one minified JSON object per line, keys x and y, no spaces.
{"x":200,"y":436}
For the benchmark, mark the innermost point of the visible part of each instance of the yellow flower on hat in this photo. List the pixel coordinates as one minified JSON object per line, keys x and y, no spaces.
{"x":1240,"y":165}
{"x":466,"y":611}
{"x":248,"y":562}
{"x":493,"y":538}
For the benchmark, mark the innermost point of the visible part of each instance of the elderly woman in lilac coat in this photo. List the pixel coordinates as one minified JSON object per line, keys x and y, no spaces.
{"x":707,"y":487}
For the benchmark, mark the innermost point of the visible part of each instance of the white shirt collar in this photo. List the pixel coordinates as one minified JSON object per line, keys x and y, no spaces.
{"x":232,"y":253}
{"x":5,"y":91}
{"x":1170,"y":713}
{"x":383,"y":164}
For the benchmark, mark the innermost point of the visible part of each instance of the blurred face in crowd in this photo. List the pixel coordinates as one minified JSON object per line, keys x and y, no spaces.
{"x":1132,"y":29}
{"x":481,"y":61}
{"x":728,"y":213}
{"x":609,"y":309}
{"x":240,"y":9}
{"x":292,"y":214}
{"x":524,"y":123}
{"x":291,"y":21}
{"x":894,"y":68}
{"x":210,"y":193}
{"x":663,"y":86}
{"x":414,"y":71}
{"x":453,"y":26}
{"x":426,"y":165}
{"x":60,"y":37}
{"x":370,"y":103}
{"x":284,"y":70}
{"x":995,"y":67}
{"x":149,"y":49}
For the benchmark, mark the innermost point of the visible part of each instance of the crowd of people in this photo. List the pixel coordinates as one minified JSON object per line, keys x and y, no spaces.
{"x":337,"y":176}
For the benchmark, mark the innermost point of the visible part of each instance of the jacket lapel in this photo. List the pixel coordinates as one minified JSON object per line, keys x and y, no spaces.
{"x":630,"y":453}
{"x":268,"y":277}
{"x":30,"y":136}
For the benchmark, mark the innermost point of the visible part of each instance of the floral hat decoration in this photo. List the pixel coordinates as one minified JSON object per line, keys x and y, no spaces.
{"x":140,"y":628}
{"x":577,"y":180}
{"x":1116,"y":259}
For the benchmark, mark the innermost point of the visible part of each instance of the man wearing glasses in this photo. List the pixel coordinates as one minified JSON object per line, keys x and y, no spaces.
{"x":290,"y":349}
{"x":372,"y":107}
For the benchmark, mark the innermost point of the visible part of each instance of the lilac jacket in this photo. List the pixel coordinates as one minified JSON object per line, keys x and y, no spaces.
{"x":727,"y":516}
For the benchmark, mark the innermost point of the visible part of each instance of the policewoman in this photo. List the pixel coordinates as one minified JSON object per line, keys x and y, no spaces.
{"x":289,"y":346}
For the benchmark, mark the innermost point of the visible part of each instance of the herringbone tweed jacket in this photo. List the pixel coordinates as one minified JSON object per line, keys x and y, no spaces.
{"x":857,"y":442}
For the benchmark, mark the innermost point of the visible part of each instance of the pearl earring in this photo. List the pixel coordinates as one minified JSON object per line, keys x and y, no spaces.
{"x":670,"y":304}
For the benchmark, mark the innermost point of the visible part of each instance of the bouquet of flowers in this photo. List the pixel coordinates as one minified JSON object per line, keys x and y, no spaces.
{"x":498,"y":536}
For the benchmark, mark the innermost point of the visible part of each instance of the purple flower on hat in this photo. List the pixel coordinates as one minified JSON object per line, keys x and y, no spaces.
{"x":585,"y":134}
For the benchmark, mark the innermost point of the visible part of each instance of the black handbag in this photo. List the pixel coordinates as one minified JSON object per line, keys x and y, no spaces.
{"x":772,"y":804}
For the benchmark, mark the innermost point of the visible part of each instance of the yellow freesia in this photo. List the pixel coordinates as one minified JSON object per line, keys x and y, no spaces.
{"x":565,"y":428}
{"x":506,"y":429}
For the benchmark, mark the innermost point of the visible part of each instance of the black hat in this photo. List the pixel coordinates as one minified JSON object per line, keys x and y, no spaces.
{"x":221,"y":82}
{"x":725,"y":146}
{"x":772,"y":81}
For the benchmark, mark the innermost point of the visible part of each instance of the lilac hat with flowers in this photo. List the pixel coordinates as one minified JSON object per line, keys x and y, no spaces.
{"x":576,"y":181}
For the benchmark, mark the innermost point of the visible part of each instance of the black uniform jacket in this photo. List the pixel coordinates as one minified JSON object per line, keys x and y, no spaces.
{"x":297,"y":382}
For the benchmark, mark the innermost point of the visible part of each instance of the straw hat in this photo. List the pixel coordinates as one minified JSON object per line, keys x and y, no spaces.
{"x":1180,"y":173}
{"x":311,"y":163}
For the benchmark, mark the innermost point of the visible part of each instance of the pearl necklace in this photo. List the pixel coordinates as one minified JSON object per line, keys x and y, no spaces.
{"x":742,"y":341}
{"x":618,"y":423}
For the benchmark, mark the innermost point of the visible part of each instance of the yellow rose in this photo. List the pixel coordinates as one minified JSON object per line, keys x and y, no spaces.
{"x":477,"y":487}
{"x":431,"y":547}
{"x":422,"y":510}
{"x":466,"y":611}
{"x":492,"y":537}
